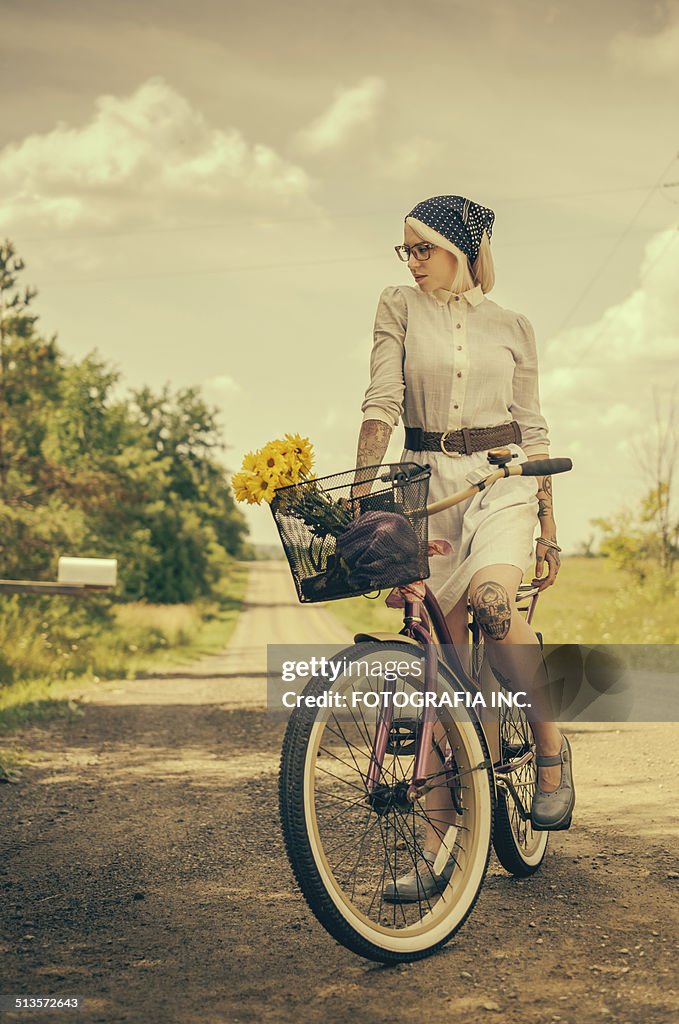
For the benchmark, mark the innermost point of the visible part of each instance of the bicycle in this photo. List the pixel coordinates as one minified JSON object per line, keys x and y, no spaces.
{"x":354,"y":773}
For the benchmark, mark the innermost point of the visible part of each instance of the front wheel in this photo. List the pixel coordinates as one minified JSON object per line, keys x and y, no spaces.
{"x":348,"y":843}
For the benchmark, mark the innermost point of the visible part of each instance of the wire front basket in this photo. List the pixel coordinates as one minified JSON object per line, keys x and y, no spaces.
{"x":355,"y":532}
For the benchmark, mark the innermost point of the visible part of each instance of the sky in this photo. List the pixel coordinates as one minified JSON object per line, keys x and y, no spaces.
{"x":209,"y":194}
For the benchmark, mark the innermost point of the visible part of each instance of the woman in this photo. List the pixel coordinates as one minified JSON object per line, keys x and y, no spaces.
{"x":449,"y":361}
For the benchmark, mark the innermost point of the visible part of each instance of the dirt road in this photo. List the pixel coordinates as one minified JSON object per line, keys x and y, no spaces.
{"x":142,"y":868}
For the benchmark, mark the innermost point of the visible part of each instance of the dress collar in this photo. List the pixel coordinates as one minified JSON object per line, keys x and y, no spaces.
{"x":473,"y":295}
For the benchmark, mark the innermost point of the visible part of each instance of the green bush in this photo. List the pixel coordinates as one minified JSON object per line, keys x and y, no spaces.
{"x":87,"y":470}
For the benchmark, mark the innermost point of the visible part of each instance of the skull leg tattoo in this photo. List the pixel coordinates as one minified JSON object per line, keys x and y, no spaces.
{"x":492,"y":609}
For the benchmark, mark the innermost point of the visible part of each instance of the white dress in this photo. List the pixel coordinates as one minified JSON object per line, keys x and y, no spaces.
{"x":443,"y":363}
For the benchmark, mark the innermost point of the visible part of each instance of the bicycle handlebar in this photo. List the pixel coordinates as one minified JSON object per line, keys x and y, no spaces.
{"x":540,"y":467}
{"x":545,"y":467}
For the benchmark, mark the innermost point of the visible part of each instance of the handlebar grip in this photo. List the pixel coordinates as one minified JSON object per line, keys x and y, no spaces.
{"x":546,"y":467}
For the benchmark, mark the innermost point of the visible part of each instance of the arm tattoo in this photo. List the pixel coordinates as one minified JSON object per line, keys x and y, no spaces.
{"x":545,"y":507}
{"x":373,"y":441}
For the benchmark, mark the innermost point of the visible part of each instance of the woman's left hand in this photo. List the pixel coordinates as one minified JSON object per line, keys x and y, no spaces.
{"x":545,"y":553}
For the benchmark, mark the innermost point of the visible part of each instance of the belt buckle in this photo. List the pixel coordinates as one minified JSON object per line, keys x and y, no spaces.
{"x":451,"y":455}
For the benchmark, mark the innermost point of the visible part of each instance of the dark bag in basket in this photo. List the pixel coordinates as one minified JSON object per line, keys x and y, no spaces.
{"x":380,"y":549}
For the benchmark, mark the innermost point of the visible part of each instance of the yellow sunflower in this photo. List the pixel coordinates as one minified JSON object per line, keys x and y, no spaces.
{"x":303,"y":450}
{"x":283,"y":450}
{"x":277,"y":464}
{"x":244,"y":485}
{"x":271,"y":466}
{"x":266,"y":492}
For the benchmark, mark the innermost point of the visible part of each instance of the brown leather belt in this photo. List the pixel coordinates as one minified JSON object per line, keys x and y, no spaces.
{"x":462,"y":442}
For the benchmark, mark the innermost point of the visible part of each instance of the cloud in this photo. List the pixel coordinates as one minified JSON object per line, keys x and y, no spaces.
{"x":143,"y":153}
{"x":408,"y":158}
{"x":644,"y":324}
{"x":559,"y":379}
{"x":601,"y":383}
{"x":600,"y":386}
{"x":222,"y":387}
{"x":350,"y":109}
{"x":620,"y":415}
{"x":654,"y":55}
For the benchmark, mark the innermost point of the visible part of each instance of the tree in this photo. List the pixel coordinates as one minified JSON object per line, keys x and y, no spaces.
{"x":85,"y":471}
{"x":648,"y":536}
{"x":15,"y":321}
{"x":34,"y":519}
{"x":197,"y":521}
{"x":585,"y":548}
{"x":658,"y":507}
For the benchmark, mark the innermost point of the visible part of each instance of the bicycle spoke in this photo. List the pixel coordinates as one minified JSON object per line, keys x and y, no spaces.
{"x":330,"y":753}
{"x":340,"y":799}
{"x":365,"y":724}
{"x":332,"y":775}
{"x":394,"y":867}
{"x":351,"y":746}
{"x":516,"y":739}
{"x":364,"y":751}
{"x":415,"y":859}
{"x":431,"y":817}
{"x":384,"y":868}
{"x":456,"y":844}
{"x":372,"y":820}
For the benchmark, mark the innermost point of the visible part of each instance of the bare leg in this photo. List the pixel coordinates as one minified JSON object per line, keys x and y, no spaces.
{"x":457,"y":620}
{"x":438,"y":803}
{"x":514,"y":652}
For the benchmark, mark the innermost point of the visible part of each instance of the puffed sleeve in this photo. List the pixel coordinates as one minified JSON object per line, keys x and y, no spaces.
{"x":525,"y":407}
{"x":384,"y":395}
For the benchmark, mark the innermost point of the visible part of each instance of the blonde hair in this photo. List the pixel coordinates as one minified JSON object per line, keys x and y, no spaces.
{"x":481,"y":271}
{"x":483,"y":267}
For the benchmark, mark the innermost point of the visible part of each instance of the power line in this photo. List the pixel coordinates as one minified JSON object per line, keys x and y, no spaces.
{"x":206,"y":272}
{"x":376,"y":257}
{"x":603,"y":330}
{"x":315,"y":219}
{"x":604,"y":263}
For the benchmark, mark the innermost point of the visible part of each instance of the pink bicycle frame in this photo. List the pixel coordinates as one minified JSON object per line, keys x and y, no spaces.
{"x":417,"y":618}
{"x":417,"y":615}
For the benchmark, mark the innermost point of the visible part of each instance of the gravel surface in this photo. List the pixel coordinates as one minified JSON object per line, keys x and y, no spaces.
{"x":142,"y":868}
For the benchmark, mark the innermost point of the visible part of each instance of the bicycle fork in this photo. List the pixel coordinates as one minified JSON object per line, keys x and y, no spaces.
{"x":385,"y":718}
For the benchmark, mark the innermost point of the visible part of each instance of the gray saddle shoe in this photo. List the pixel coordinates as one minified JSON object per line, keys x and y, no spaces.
{"x":551,"y":812}
{"x":420,"y":883}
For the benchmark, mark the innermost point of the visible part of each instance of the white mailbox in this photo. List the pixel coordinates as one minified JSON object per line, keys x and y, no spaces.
{"x":93,"y":572}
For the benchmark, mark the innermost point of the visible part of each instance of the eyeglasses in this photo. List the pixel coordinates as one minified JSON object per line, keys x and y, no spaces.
{"x":420,"y":252}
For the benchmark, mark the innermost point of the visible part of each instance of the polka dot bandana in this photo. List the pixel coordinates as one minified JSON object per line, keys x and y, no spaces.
{"x":458,"y":219}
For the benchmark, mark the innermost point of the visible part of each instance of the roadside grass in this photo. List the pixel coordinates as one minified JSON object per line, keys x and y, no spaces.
{"x":44,"y":647}
{"x":593,"y":602}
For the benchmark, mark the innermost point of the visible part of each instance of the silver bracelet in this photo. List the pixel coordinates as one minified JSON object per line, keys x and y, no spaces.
{"x":548,"y":543}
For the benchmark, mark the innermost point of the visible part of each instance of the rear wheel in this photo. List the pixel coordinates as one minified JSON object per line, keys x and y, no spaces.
{"x":519,"y":848}
{"x":348,"y":846}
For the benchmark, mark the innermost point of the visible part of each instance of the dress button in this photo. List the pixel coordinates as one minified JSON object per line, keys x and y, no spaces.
{"x":456,"y":407}
{"x":459,"y":348}
{"x":459,"y":373}
{"x":458,"y":325}
{"x":457,"y":298}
